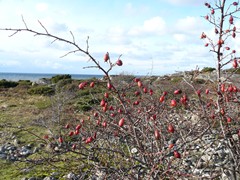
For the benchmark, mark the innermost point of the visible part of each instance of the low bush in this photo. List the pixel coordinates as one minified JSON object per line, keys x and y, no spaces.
{"x":7,"y":84}
{"x":208,"y":69}
{"x":57,"y":78}
{"x":41,"y":90}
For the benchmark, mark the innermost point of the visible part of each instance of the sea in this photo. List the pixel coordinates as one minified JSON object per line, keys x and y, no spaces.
{"x":34,"y":77}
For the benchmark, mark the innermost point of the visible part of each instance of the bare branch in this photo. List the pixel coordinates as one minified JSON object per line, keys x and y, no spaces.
{"x":72,"y":36}
{"x":90,"y":67}
{"x":54,"y":41}
{"x":70,"y":52}
{"x":87,"y":44}
{"x":43,"y":27}
{"x":13,"y":34}
{"x":24,"y":22}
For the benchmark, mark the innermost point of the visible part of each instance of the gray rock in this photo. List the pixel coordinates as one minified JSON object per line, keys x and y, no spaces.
{"x":55,"y":174}
{"x":206,"y":157}
{"x":25,"y":151}
{"x":29,"y":146}
{"x":36,"y":149}
{"x":71,"y":176}
{"x":32,"y":178}
{"x":2,"y":148}
{"x":16,"y":142}
{"x":50,"y":178}
{"x":235,"y":137}
{"x":3,"y":156}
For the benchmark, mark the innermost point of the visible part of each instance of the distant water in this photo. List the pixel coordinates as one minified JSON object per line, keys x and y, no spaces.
{"x":34,"y":77}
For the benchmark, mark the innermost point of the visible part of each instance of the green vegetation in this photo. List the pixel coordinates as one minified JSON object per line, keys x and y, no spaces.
{"x":7,"y":84}
{"x":176,"y":79}
{"x":41,"y":90}
{"x":199,"y":81}
{"x":208,"y":69}
{"x":232,"y":70}
{"x":57,"y":78}
{"x":25,"y":82}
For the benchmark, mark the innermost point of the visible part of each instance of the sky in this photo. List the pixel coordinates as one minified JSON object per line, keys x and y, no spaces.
{"x":154,"y":37}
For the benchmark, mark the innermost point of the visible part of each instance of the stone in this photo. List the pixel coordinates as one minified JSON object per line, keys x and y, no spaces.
{"x":206,"y":157}
{"x":32,"y":178}
{"x":134,"y":150}
{"x":16,"y":142}
{"x":3,"y":156}
{"x":2,"y":148}
{"x":49,"y":178}
{"x":24,"y":151}
{"x":36,"y":149}
{"x":235,"y":137}
{"x":71,"y":176}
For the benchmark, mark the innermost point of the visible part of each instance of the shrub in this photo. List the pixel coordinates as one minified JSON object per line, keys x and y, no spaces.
{"x":57,"y":78}
{"x":25,"y":82}
{"x":199,"y":81}
{"x":7,"y":84}
{"x":208,"y":69}
{"x":41,"y":90}
{"x":135,"y":130}
{"x":176,"y":79}
{"x":232,"y":70}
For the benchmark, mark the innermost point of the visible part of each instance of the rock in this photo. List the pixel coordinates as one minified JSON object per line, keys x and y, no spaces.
{"x":16,"y":142}
{"x":50,"y":178}
{"x":134,"y":150}
{"x":35,"y":150}
{"x":25,"y":151}
{"x":3,"y":156}
{"x":100,"y":175}
{"x":32,"y":178}
{"x":195,"y":118}
{"x":206,"y":157}
{"x":57,"y":149}
{"x":55,"y":174}
{"x":30,"y":146}
{"x":2,"y":149}
{"x":71,"y":176}
{"x":235,"y":137}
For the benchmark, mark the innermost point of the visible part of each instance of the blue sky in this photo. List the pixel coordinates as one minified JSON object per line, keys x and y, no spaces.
{"x":155,"y":37}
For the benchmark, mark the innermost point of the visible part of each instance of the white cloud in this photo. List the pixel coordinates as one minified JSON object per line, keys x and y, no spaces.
{"x":186,"y":2}
{"x":189,"y":25}
{"x":153,"y":26}
{"x":9,"y":63}
{"x":59,"y":27}
{"x":132,"y":9}
{"x":41,"y":7}
{"x":180,"y":37}
{"x":117,"y":35}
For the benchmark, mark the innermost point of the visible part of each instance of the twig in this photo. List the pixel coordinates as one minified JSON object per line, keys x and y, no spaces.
{"x":24,"y":22}
{"x":42,"y":27}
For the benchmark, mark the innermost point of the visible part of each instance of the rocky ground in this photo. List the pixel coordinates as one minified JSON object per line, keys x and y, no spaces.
{"x":207,"y":156}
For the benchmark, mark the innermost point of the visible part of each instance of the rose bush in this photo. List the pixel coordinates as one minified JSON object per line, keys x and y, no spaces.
{"x":140,"y":129}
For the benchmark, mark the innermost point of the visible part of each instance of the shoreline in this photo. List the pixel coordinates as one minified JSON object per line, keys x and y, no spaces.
{"x":35,"y":77}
